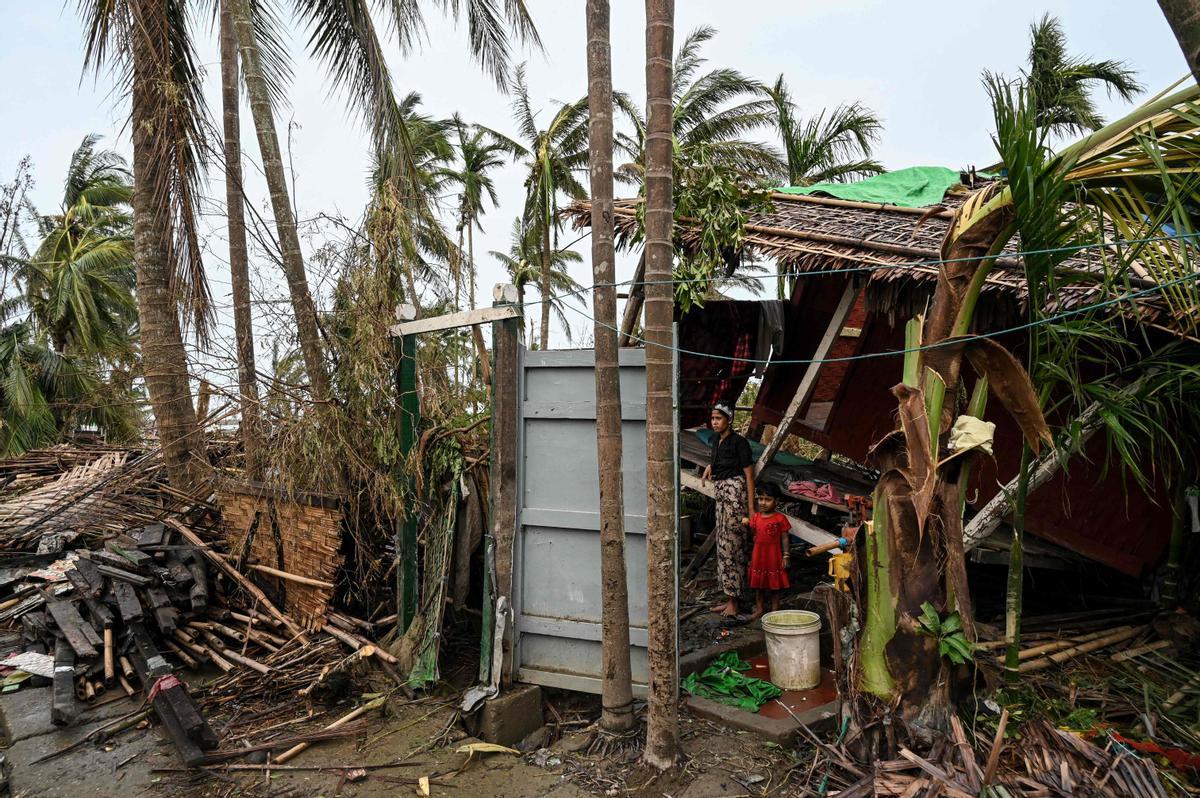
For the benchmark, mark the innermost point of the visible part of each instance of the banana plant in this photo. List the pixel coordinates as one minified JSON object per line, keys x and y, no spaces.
{"x":1132,"y":181}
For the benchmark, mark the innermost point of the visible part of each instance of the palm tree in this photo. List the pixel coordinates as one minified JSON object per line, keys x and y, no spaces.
{"x":1128,"y":178}
{"x":478,"y":154}
{"x":714,"y":110}
{"x":552,"y":155}
{"x":408,"y":240}
{"x":79,"y":282}
{"x":148,"y":43}
{"x":1184,"y":18}
{"x":344,"y":36}
{"x":1063,"y":84}
{"x":45,"y":394}
{"x":662,"y":730}
{"x":831,"y":147}
{"x":616,"y":687}
{"x":239,"y":259}
{"x":526,"y":266}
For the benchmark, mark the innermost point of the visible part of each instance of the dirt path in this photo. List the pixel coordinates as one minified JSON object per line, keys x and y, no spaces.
{"x":415,"y":740}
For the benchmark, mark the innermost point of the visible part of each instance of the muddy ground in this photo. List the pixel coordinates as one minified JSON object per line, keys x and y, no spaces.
{"x":411,"y":740}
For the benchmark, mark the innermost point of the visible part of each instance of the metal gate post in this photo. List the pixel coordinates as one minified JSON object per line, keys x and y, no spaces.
{"x":406,"y":533}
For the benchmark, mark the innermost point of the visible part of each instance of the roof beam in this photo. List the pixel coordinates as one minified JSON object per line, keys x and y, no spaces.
{"x":809,"y":380}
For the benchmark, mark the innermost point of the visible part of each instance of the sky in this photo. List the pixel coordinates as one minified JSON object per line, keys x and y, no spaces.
{"x":917,"y":65}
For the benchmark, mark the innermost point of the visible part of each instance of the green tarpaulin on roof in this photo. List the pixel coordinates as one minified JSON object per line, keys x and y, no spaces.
{"x":914,"y":187}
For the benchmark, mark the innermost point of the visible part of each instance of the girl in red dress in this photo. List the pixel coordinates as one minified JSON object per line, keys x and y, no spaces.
{"x":769,"y":562}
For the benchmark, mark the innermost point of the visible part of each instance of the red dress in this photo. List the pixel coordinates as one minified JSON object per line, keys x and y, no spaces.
{"x":766,"y":563}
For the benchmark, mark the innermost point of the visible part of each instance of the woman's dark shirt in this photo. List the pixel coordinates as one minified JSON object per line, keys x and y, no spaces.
{"x":730,"y":456}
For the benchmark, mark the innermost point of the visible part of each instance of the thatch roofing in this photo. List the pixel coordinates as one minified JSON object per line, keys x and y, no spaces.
{"x":898,"y":247}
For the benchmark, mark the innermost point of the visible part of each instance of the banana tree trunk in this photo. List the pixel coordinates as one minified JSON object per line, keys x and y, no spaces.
{"x":914,"y":555}
{"x":617,"y":688}
{"x":307,"y":328}
{"x":239,"y":262}
{"x":662,"y":732}
{"x":1184,"y":18}
{"x":164,"y":360}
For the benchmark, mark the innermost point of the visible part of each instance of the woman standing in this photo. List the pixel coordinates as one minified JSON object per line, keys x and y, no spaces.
{"x":732,"y":473}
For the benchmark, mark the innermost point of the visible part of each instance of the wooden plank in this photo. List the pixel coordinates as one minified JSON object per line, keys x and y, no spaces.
{"x":128,"y":577}
{"x":63,"y":708}
{"x":87,"y":570}
{"x":465,"y":318}
{"x":71,"y":624}
{"x":506,"y":376}
{"x":807,"y":532}
{"x":809,"y":380}
{"x":111,"y":559}
{"x":127,"y":602}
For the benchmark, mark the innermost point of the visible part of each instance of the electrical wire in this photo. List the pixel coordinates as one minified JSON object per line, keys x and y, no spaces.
{"x":893,"y":352}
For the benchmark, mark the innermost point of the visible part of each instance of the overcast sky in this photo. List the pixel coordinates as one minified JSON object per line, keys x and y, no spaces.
{"x":917,"y":64}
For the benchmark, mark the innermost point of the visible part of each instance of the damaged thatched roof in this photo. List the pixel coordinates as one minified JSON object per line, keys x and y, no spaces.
{"x":898,"y":247}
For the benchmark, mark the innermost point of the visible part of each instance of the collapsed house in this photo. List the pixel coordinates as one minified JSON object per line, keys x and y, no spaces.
{"x":858,"y":271}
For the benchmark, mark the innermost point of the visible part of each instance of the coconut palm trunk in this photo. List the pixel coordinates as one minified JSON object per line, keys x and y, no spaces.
{"x":239,"y":261}
{"x":662,"y":734}
{"x":617,"y":689}
{"x":547,"y":266}
{"x":1184,"y":18}
{"x":164,"y":361}
{"x":471,"y":262}
{"x":307,"y":329}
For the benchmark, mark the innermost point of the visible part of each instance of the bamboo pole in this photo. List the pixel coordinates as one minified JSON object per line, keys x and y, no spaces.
{"x":342,"y":721}
{"x":183,"y":656}
{"x":303,"y":580}
{"x":1059,"y":645}
{"x":1122,"y":656}
{"x":223,"y":564}
{"x":357,"y":643}
{"x":253,"y":664}
{"x":110,"y":665}
{"x":1083,"y":648}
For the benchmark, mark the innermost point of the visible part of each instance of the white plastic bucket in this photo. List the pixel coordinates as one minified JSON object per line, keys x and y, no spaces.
{"x":793,"y":648}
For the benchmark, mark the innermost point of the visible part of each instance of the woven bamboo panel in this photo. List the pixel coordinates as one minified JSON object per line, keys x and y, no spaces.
{"x":293,"y":534}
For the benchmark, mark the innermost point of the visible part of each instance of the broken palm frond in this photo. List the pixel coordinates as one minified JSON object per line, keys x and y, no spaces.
{"x":103,"y":490}
{"x":1039,"y":761}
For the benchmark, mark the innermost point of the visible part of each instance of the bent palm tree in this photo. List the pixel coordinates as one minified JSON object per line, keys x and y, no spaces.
{"x":343,"y":35}
{"x":1063,"y":84}
{"x":831,"y":147}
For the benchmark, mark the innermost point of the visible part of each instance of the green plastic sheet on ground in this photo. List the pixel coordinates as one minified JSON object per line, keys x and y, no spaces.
{"x":725,"y":681}
{"x":914,"y":187}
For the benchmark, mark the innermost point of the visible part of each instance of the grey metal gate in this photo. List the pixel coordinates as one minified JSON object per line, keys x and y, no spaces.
{"x":556,"y":552}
